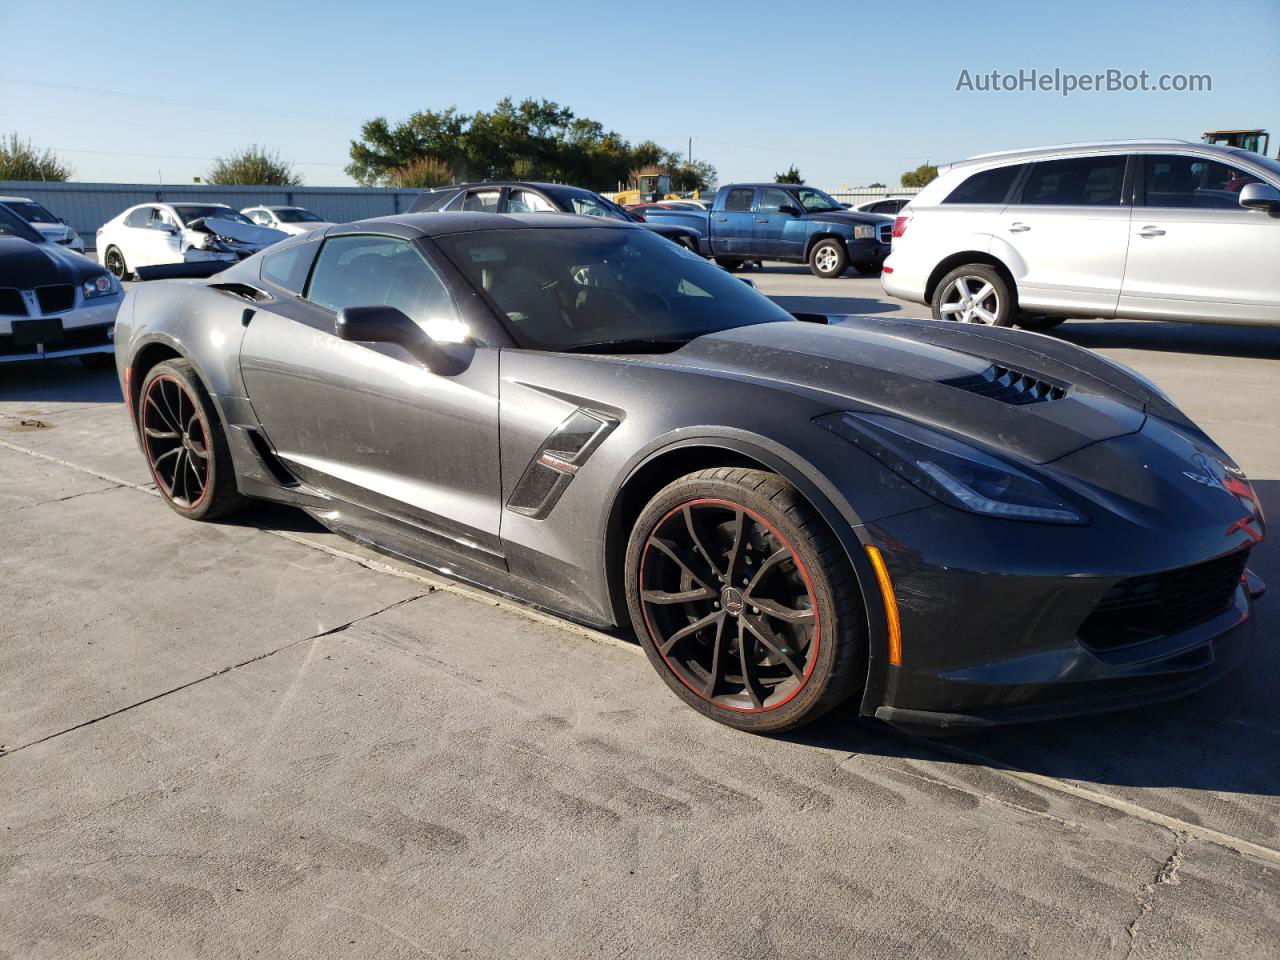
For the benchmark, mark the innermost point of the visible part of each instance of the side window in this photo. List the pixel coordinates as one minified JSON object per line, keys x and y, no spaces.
{"x":1078,"y":181}
{"x":739,"y":198}
{"x":986,"y":186}
{"x":1193,"y":182}
{"x":288,"y":268}
{"x":526,"y":201}
{"x":456,"y":202}
{"x":160,"y":219}
{"x":434,"y":200}
{"x":139,"y":217}
{"x":482,"y":201}
{"x":771,"y":201}
{"x":364,"y":271}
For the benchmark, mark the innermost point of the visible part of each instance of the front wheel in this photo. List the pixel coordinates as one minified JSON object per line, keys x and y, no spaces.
{"x":871,"y":268}
{"x":113,"y":260}
{"x":184,"y":443}
{"x":732,"y":264}
{"x":828,"y":259}
{"x":975,"y":293}
{"x":744,"y":601}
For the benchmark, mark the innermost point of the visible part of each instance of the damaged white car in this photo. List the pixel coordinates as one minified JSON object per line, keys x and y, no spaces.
{"x":163,"y":235}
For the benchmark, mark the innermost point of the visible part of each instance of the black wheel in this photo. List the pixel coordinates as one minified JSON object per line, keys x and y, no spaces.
{"x":1037,"y":321}
{"x":828,"y":258}
{"x":113,"y":260}
{"x":744,"y":601}
{"x":184,"y":443}
{"x":976,"y":293}
{"x":97,"y":361}
{"x":732,"y":264}
{"x":870,"y":269}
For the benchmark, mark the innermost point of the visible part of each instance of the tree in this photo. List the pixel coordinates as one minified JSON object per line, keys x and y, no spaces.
{"x":254,"y":166}
{"x":877,"y":186}
{"x":921,"y":176}
{"x":22,"y":161}
{"x":424,"y":172}
{"x":792,"y":175}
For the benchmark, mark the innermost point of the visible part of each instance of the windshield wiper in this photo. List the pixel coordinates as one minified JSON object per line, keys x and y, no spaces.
{"x":629,"y":345}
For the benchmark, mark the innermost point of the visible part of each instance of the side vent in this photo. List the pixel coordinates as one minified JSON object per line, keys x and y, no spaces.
{"x":556,"y":463}
{"x":269,"y":460}
{"x":1009,"y":386}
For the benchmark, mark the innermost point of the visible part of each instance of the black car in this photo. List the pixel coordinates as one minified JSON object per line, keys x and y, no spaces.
{"x":944,"y":524}
{"x":521,"y":197}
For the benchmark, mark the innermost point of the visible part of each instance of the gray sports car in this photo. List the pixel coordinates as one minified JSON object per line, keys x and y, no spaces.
{"x":950,"y":525}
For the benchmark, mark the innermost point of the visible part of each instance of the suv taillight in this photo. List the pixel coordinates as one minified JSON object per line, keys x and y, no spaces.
{"x":900,"y":226}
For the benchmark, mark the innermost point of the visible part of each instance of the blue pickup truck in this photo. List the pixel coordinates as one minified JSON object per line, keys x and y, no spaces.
{"x":783,"y":221}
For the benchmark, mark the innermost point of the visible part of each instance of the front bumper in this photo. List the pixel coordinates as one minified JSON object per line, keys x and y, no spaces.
{"x":83,"y":330}
{"x":867,"y":251}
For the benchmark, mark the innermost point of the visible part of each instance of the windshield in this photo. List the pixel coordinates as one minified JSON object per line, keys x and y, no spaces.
{"x":296,"y":215}
{"x":12,"y":225}
{"x":570,"y":288}
{"x":190,"y":212}
{"x":815,"y":200}
{"x":1268,"y":164}
{"x":31,"y":211}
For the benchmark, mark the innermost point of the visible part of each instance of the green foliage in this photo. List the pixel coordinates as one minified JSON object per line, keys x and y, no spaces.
{"x":22,"y":161}
{"x":424,"y":172}
{"x":921,"y":176}
{"x":792,"y":175}
{"x":256,"y":166}
{"x":877,"y":186}
{"x":529,"y":140}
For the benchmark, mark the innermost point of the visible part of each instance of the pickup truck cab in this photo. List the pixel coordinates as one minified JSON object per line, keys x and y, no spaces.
{"x":789,"y":222}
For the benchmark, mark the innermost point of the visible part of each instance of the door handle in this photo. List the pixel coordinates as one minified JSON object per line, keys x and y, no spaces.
{"x":762,"y":219}
{"x":722,"y":219}
{"x":1150,"y":231}
{"x":1018,"y":227}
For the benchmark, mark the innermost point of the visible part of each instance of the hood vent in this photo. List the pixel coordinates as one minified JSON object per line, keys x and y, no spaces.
{"x":1009,"y":386}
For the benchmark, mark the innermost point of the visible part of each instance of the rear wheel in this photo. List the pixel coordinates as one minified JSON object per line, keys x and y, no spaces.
{"x":113,"y":260}
{"x":184,"y":443}
{"x":975,"y":293}
{"x":732,"y":264}
{"x":744,"y":601}
{"x":828,"y":258}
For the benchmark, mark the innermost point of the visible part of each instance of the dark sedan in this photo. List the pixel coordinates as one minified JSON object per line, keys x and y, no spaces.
{"x":945,"y":525}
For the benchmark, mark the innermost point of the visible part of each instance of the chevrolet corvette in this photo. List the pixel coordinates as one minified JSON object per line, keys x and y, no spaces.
{"x":948,"y":526}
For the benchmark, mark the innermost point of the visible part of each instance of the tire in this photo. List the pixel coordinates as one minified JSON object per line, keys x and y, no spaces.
{"x":732,"y":264}
{"x":976,"y":293}
{"x":828,"y":258}
{"x":817,"y":657}
{"x":97,"y":361}
{"x":113,"y":261}
{"x":1036,"y":321}
{"x":871,"y":269}
{"x":180,"y":433}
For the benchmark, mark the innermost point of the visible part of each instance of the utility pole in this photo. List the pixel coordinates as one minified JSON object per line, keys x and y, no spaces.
{"x":691,"y":151}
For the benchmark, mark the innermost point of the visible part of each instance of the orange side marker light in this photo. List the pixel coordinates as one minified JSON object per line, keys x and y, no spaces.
{"x":890,"y":605}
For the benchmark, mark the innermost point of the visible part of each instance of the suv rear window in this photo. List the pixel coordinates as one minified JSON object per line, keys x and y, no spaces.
{"x":1078,"y":181}
{"x":987,"y":186}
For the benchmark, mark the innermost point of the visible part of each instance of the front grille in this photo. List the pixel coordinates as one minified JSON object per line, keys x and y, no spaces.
{"x":1160,"y":604}
{"x":1009,"y":386}
{"x":56,"y":297}
{"x":886,"y":232}
{"x":11,"y":303}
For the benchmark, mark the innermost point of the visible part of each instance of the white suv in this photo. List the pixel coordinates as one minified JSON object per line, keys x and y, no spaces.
{"x":1154,"y":230}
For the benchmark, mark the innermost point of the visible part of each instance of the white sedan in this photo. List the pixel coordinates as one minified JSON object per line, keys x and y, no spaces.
{"x":52,"y":228}
{"x":158,"y":234}
{"x":292,"y":220}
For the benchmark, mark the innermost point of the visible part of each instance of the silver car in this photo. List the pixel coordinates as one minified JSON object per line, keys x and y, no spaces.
{"x":1156,"y":230}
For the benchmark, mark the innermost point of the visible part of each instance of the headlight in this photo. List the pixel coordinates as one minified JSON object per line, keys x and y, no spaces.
{"x":953,"y":472}
{"x":103,"y":285}
{"x":864,"y":231}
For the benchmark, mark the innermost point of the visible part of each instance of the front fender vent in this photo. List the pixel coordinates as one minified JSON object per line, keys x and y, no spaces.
{"x":1009,"y":386}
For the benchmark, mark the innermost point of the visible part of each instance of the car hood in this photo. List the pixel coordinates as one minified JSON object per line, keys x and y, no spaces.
{"x":297,"y":229}
{"x":24,"y":264}
{"x":850,"y":217}
{"x":243,"y":232}
{"x":936,"y":374}
{"x":54,"y":231}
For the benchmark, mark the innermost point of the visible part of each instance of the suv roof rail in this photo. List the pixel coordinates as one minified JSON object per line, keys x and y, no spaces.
{"x":1169,"y":141}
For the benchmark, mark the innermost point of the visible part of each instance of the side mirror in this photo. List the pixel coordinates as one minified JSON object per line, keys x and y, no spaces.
{"x":790,"y":210}
{"x":382,"y":324}
{"x":1260,"y":196}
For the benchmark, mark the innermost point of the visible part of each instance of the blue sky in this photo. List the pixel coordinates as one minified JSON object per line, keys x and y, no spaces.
{"x":851,"y":93}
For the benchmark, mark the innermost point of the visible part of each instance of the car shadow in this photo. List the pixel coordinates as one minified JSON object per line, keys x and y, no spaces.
{"x":57,"y":381}
{"x":1223,"y":739}
{"x":1209,"y":339}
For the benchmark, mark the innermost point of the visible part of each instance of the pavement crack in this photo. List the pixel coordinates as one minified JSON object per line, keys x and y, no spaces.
{"x":10,"y":751}
{"x":1167,"y":875}
{"x":70,"y":496}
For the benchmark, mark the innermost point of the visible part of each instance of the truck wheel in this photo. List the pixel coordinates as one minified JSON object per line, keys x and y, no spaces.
{"x":732,"y":264}
{"x":828,"y":258}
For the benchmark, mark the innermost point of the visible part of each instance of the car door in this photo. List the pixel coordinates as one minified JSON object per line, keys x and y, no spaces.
{"x":1195,"y":253}
{"x":771,"y":233}
{"x":368,"y":423}
{"x":1068,"y":228}
{"x":733,"y":228}
{"x":157,"y":242}
{"x":522,"y":200}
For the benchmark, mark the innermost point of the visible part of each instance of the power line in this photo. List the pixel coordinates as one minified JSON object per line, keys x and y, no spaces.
{"x":179,"y":156}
